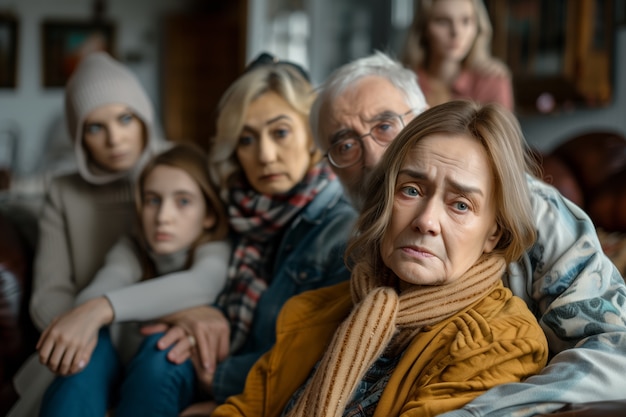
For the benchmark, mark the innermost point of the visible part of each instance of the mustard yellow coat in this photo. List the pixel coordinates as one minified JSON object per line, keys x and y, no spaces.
{"x":494,"y":341}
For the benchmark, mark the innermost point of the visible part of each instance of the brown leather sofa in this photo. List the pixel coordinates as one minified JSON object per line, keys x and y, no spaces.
{"x":592,"y":409}
{"x":17,"y":334}
{"x":590,"y":170}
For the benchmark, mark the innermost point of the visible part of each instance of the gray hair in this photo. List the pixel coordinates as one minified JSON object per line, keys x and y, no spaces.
{"x":376,"y":64}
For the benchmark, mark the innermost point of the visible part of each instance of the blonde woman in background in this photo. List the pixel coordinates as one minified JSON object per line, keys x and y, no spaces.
{"x":448,"y":46}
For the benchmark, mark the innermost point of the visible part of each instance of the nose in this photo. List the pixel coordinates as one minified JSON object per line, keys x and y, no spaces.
{"x":267,"y":150}
{"x":114,"y":135}
{"x":454,"y":28}
{"x":165,"y":212}
{"x":426,"y":218}
{"x":372,"y":152}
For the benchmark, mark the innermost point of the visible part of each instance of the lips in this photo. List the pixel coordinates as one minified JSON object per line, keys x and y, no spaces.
{"x":118,"y":156}
{"x":417,"y":251}
{"x":162,"y":236}
{"x":271,"y":177}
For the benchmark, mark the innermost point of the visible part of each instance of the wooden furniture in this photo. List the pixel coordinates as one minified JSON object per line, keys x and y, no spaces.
{"x":560,"y":52}
{"x":203,"y":53}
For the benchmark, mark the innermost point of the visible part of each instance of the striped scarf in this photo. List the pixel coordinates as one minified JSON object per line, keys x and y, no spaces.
{"x":259,"y":221}
{"x":380,"y":315}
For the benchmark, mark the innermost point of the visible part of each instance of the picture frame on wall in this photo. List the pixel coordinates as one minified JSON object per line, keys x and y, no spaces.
{"x":64,"y":43}
{"x":8,"y":51}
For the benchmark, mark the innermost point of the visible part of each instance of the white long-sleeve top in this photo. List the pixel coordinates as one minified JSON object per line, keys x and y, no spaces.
{"x":173,"y":288}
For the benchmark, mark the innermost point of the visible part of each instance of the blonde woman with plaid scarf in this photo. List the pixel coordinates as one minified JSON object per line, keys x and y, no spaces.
{"x":425,"y":324}
{"x":289,"y":221}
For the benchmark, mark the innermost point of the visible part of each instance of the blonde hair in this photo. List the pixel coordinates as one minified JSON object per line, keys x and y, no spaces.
{"x":281,"y":78}
{"x":417,"y":49}
{"x":511,"y":161}
{"x":191,"y":159}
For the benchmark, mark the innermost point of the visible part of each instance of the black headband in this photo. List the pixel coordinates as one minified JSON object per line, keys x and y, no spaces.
{"x":265,"y":58}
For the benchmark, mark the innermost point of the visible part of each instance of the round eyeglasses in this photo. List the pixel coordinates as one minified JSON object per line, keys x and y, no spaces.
{"x":347,"y":147}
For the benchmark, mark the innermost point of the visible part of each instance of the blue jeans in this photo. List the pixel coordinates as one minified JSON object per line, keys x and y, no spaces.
{"x":150,"y":385}
{"x":87,"y":393}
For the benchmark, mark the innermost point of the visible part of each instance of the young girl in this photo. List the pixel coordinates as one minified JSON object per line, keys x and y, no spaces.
{"x":177,"y":260}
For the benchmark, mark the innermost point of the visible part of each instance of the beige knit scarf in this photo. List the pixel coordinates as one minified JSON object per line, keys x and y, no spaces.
{"x":379,"y":315}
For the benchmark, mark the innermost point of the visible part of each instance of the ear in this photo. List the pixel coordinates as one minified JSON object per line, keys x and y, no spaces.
{"x":209,"y":220}
{"x":493,"y":238}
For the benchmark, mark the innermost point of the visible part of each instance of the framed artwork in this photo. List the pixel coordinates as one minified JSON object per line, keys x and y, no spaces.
{"x":65,"y":43}
{"x":8,"y":51}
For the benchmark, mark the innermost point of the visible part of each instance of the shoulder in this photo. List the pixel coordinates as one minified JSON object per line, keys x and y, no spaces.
{"x":326,"y":221}
{"x":500,"y":317}
{"x":65,"y":187}
{"x":493,"y":69}
{"x":73,"y":180}
{"x":508,"y":315}
{"x":546,"y":197}
{"x":483,"y":84}
{"x":322,"y":306}
{"x":422,"y":77}
{"x":330,"y":202}
{"x":125,"y":254}
{"x":75,"y":183}
{"x":557,"y":219}
{"x":214,"y":248}
{"x":495,"y":341}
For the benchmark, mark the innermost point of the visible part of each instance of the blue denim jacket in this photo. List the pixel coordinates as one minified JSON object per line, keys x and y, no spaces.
{"x":310,"y":256}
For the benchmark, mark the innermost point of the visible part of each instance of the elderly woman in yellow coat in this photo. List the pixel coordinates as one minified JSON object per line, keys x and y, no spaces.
{"x":425,"y":324}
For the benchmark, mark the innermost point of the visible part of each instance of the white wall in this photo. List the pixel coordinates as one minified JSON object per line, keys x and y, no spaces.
{"x":36,"y":111}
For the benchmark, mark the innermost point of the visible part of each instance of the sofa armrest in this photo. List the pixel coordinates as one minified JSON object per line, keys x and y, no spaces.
{"x":17,"y":333}
{"x":591,"y":409}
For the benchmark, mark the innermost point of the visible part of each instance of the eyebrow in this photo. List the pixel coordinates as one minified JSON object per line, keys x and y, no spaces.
{"x":384,"y":115}
{"x":463,"y":189}
{"x":176,"y":192}
{"x":122,"y":112}
{"x":268,"y":122}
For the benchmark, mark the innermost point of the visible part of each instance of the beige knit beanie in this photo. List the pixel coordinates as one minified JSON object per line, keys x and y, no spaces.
{"x":100,"y":80}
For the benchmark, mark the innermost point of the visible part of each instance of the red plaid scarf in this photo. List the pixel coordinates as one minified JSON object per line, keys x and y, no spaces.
{"x":259,"y":221}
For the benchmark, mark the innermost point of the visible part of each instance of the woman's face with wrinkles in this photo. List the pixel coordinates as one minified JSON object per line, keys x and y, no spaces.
{"x":444,"y":211}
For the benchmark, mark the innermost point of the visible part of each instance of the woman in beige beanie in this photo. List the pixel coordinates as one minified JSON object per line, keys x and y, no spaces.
{"x":110,"y":119}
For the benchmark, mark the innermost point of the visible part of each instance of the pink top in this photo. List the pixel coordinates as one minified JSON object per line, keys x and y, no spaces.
{"x":475,"y":86}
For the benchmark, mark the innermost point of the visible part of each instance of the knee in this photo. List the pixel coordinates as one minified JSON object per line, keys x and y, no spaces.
{"x":155,"y":386}
{"x":152,"y":363}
